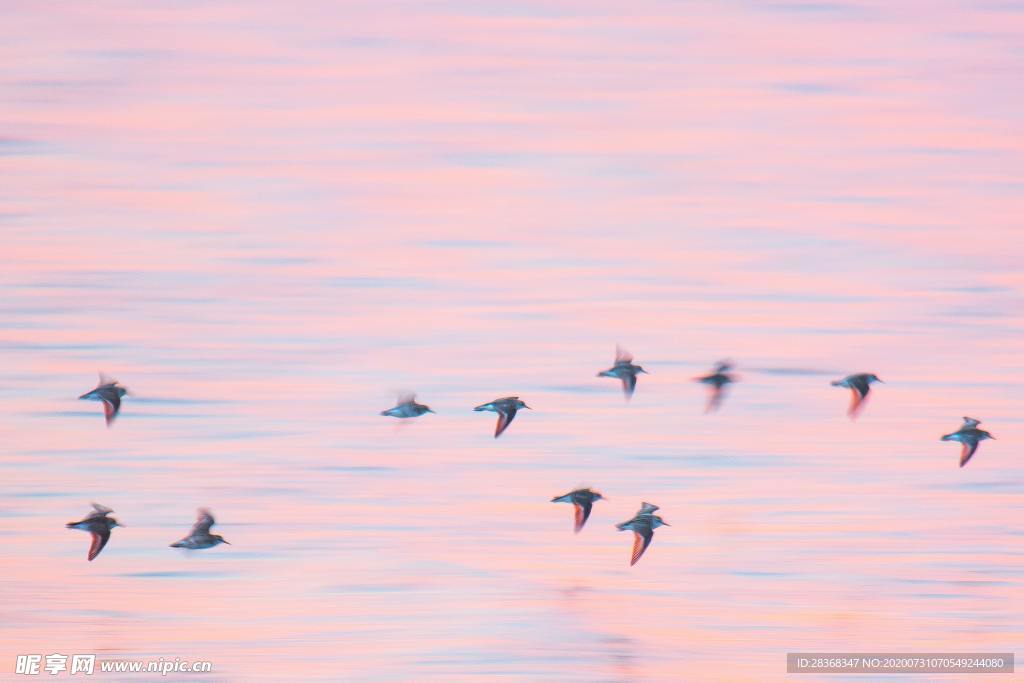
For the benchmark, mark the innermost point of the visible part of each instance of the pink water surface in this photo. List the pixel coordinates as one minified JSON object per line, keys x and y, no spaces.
{"x":267,"y":219}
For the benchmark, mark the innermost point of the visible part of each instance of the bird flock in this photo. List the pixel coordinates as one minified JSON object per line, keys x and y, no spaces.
{"x":110,"y":392}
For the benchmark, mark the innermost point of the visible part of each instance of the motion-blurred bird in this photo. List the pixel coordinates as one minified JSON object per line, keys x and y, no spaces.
{"x":583,"y":501}
{"x":407,"y":407}
{"x":969,"y":435}
{"x":624,"y":370}
{"x":99,"y":525}
{"x":642,"y":525}
{"x":506,"y":409}
{"x":200,"y":536}
{"x":110,"y":392}
{"x":717,"y":382}
{"x":859,"y":385}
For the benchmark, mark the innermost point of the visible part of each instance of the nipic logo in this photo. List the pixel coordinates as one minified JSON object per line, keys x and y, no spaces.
{"x":33,"y":665}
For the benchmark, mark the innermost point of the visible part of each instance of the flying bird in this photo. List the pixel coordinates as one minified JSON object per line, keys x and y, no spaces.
{"x":506,"y":409}
{"x":110,"y":392}
{"x":717,"y":382}
{"x":407,"y":407}
{"x":99,"y":525}
{"x":200,"y":536}
{"x":969,"y":436}
{"x":859,"y":385}
{"x":583,"y":501}
{"x":624,"y":370}
{"x":642,"y":525}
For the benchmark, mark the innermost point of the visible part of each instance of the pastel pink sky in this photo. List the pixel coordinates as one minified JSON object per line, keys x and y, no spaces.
{"x":268,"y":219}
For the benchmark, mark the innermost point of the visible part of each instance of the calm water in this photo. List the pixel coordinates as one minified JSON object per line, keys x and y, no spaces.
{"x":267,"y":220}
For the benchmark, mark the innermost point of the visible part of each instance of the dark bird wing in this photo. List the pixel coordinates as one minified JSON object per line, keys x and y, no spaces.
{"x":622,"y":356}
{"x":203,"y":523}
{"x":583,"y":508}
{"x":505,"y":416}
{"x":629,"y":384}
{"x":98,"y":511}
{"x":714,"y":398}
{"x":641,"y":539}
{"x":111,"y":406}
{"x":100,"y":536}
{"x":967,"y":450}
{"x":856,"y":401}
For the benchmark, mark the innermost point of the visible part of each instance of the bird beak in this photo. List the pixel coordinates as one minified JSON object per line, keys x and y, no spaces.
{"x":225,"y":541}
{"x":431,"y":411}
{"x":527,"y":407}
{"x":665,"y":523}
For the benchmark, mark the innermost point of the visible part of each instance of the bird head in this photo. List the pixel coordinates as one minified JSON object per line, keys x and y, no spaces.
{"x":874,"y":378}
